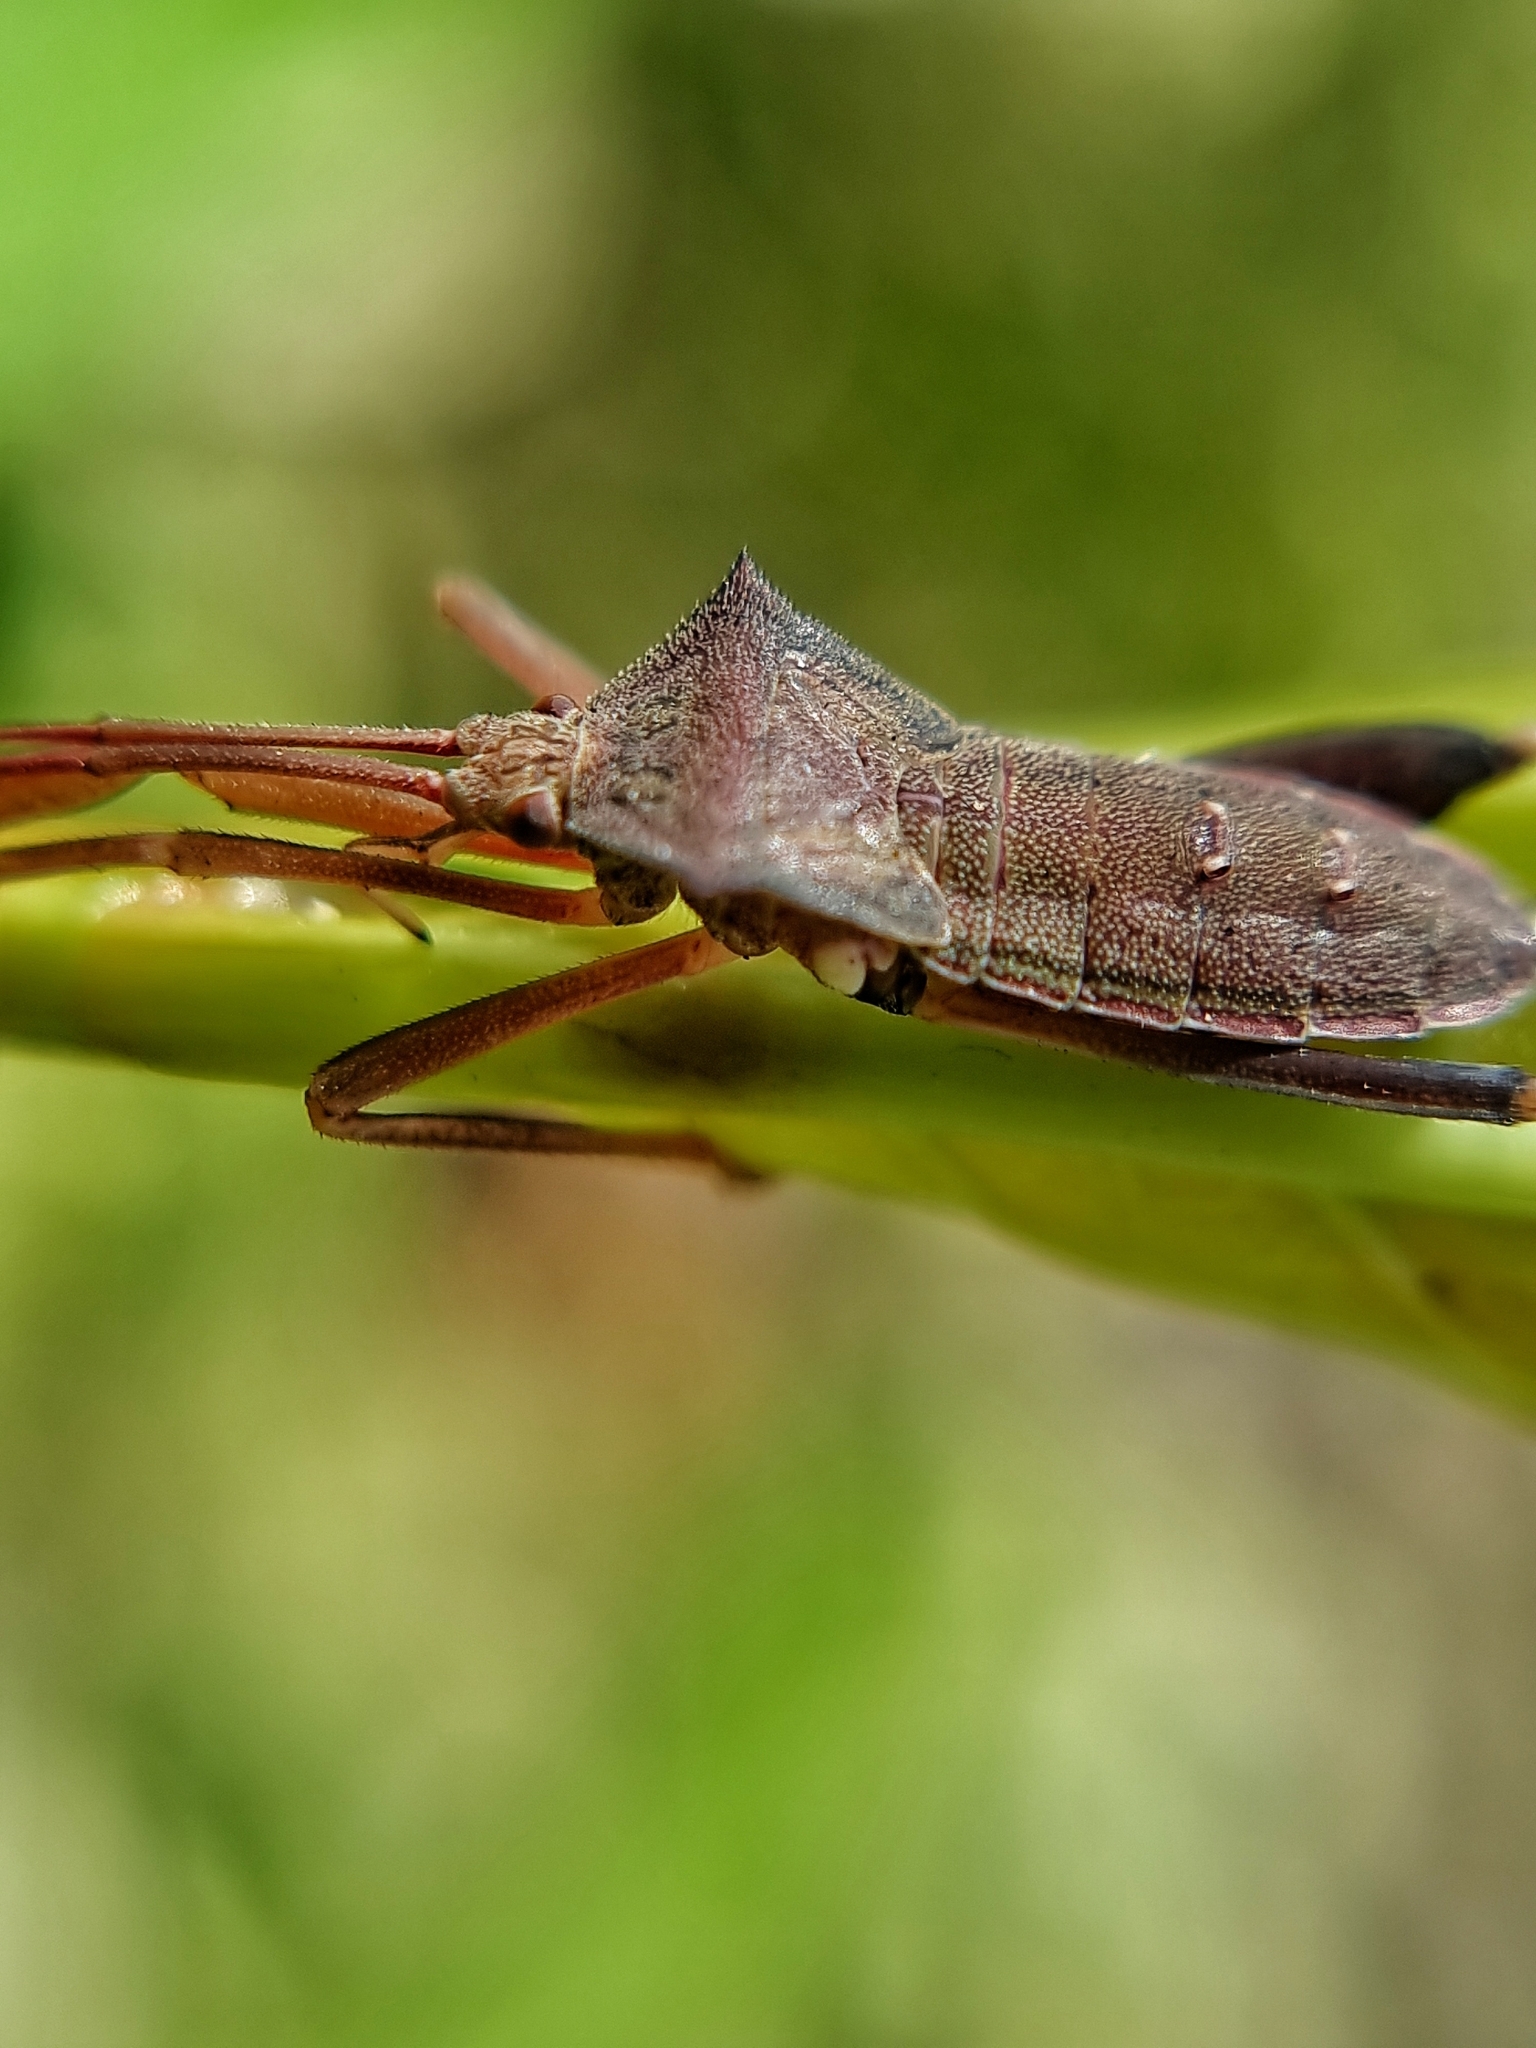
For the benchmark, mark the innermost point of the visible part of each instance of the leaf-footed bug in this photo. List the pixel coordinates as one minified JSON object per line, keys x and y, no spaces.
{"x":1209,"y":918}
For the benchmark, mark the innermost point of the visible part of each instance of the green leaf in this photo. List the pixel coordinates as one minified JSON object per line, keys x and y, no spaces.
{"x":1411,"y":1236}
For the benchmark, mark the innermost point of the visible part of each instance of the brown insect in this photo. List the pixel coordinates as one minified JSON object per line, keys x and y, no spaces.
{"x":1203,"y":917}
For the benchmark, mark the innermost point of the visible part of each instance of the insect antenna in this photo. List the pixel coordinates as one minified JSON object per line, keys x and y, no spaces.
{"x":254,"y":771}
{"x":115,"y":732}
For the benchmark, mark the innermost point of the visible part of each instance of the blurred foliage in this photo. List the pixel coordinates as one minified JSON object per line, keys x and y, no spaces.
{"x":464,"y":1603}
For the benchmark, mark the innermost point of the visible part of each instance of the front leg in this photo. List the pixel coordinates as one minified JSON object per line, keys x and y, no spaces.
{"x":202,"y":856}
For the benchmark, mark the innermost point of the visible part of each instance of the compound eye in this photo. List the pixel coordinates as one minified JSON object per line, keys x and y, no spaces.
{"x":555,"y":706}
{"x":534,"y":821}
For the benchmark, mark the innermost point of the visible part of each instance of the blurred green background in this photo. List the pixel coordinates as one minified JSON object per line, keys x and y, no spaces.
{"x":486,"y":1602}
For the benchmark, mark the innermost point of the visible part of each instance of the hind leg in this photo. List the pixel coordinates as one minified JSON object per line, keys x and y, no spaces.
{"x":1434,"y":1088}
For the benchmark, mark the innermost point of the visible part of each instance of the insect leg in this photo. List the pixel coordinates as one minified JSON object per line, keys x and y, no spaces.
{"x":33,"y":795}
{"x":117,"y":732}
{"x":205,"y":855}
{"x":343,"y":1088}
{"x":1433,"y":1088}
{"x":60,"y":779}
{"x":339,"y":1095}
{"x":252,"y":769}
{"x":516,"y":646}
{"x":1417,"y":769}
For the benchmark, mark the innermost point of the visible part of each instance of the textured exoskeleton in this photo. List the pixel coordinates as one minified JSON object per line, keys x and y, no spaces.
{"x":1203,"y":917}
{"x":800,"y":796}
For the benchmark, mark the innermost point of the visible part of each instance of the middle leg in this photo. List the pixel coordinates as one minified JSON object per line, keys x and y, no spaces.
{"x":340,"y":1095}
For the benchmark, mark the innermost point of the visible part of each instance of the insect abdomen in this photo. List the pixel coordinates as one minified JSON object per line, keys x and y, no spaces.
{"x":1177,"y":895}
{"x":1045,"y":874}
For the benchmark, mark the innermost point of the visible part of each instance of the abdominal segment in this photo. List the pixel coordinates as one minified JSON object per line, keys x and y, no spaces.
{"x":1189,"y":896}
